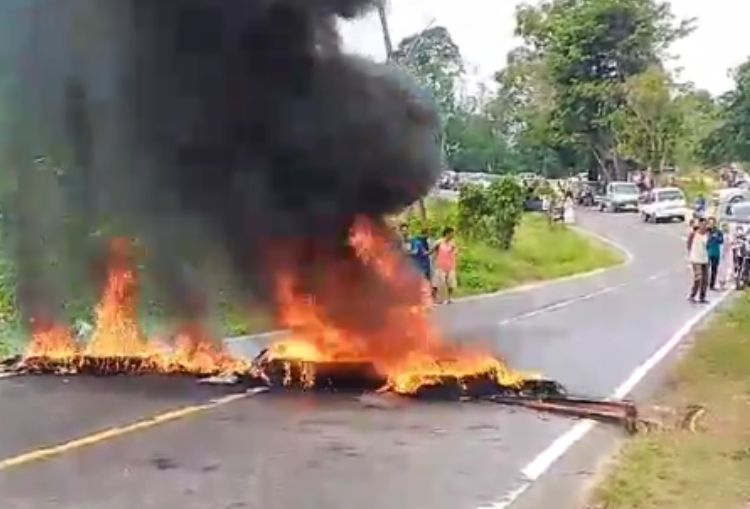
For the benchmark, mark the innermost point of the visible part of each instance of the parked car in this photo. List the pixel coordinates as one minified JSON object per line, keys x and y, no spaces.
{"x":726,"y":199}
{"x":620,"y":196}
{"x":664,"y":204}
{"x":738,"y":213}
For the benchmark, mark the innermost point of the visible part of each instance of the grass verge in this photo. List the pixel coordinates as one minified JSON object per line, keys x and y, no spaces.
{"x":708,"y":468}
{"x":539,"y":252}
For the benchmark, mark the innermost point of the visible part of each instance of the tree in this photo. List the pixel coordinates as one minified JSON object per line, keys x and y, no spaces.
{"x":730,"y":141}
{"x":522,"y":111}
{"x":491,"y":213}
{"x":436,"y":62}
{"x":590,"y":49}
{"x":649,"y":126}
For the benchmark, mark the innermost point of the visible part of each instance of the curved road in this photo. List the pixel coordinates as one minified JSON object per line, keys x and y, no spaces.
{"x":597,"y":335}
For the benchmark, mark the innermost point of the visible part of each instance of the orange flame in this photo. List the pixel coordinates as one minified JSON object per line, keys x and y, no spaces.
{"x":52,"y":341}
{"x":118,"y":334}
{"x":406,"y":347}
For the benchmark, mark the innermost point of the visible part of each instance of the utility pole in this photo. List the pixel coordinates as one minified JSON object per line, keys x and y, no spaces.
{"x":383,"y":15}
{"x":386,"y":30}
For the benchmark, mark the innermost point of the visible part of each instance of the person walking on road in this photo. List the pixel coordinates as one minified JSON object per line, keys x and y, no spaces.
{"x":697,"y":246}
{"x":446,"y":254}
{"x":715,"y":245}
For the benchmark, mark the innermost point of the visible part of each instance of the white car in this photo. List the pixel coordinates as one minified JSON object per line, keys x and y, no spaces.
{"x":664,"y":204}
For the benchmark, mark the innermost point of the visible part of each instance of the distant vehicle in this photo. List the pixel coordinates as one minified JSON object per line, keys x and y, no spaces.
{"x":664,"y":204}
{"x":726,"y":199}
{"x":738,"y":213}
{"x":448,"y":181}
{"x":620,"y":196}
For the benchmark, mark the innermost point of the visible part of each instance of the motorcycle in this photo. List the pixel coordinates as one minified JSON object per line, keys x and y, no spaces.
{"x":741,"y":256}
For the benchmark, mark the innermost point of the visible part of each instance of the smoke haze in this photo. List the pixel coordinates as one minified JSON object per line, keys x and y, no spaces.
{"x":208,"y":130}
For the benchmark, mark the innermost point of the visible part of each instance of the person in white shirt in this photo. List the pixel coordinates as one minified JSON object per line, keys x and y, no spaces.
{"x":697,"y":246}
{"x":569,"y":215}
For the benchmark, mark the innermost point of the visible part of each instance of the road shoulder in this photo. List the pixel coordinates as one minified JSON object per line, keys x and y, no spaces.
{"x":699,"y":456}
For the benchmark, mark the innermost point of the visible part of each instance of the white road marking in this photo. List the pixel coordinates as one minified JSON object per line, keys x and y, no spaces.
{"x":582,"y":298}
{"x":562,"y":444}
{"x":560,"y":305}
{"x":510,"y":498}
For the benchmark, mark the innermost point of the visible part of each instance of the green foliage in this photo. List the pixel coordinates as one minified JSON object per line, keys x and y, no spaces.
{"x":473,"y":209}
{"x":440,"y":214}
{"x":491,"y":213}
{"x":539,"y":252}
{"x":650,"y":124}
{"x":730,"y":141}
{"x":506,"y":198}
{"x":586,"y":50}
{"x":435,"y":61}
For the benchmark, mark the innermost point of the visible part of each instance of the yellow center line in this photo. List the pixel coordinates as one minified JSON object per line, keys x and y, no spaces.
{"x":119,"y":431}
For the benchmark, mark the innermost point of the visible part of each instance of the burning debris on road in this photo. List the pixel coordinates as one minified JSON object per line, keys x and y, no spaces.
{"x":316,"y":357}
{"x":223,"y":135}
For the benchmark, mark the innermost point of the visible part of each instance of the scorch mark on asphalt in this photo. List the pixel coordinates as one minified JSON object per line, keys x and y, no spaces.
{"x":562,"y":444}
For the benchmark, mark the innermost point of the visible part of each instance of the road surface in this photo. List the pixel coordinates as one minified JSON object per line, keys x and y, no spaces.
{"x":593,"y":334}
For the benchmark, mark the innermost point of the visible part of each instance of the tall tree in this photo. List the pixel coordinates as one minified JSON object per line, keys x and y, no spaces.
{"x":650,"y":124}
{"x":435,"y":60}
{"x":730,"y":141}
{"x":523,"y":109}
{"x":590,"y":49}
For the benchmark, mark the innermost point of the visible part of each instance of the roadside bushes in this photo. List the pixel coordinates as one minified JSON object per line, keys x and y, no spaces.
{"x":492,"y":213}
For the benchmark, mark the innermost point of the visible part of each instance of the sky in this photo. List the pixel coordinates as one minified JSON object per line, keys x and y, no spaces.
{"x":483,"y":29}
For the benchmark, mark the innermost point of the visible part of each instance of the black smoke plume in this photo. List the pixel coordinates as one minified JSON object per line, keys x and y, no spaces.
{"x":208,"y":130}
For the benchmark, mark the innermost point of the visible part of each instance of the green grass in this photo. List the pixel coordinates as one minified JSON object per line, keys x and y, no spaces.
{"x":539,"y":252}
{"x":698,"y":184}
{"x":709,"y":469}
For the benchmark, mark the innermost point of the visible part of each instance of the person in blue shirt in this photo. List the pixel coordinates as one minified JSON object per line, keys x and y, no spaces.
{"x":420,"y":253}
{"x":714,"y":245}
{"x":700,"y":206}
{"x":417,"y":248}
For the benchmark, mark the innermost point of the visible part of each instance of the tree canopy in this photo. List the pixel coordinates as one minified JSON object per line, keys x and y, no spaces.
{"x":588,"y":88}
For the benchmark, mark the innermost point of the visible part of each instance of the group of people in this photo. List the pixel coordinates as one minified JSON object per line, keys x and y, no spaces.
{"x":436,"y":261}
{"x":711,"y":259}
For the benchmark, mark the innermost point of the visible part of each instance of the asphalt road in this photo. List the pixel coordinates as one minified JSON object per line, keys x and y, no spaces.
{"x":335,"y":453}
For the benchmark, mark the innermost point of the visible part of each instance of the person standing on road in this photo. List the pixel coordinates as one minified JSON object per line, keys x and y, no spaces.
{"x":446,"y":254}
{"x":726,"y":265}
{"x":569,"y":214}
{"x":700,"y":207}
{"x":697,"y":246}
{"x":714,"y":245}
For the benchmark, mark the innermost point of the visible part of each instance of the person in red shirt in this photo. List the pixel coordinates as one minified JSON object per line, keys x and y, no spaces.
{"x":446,"y":254}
